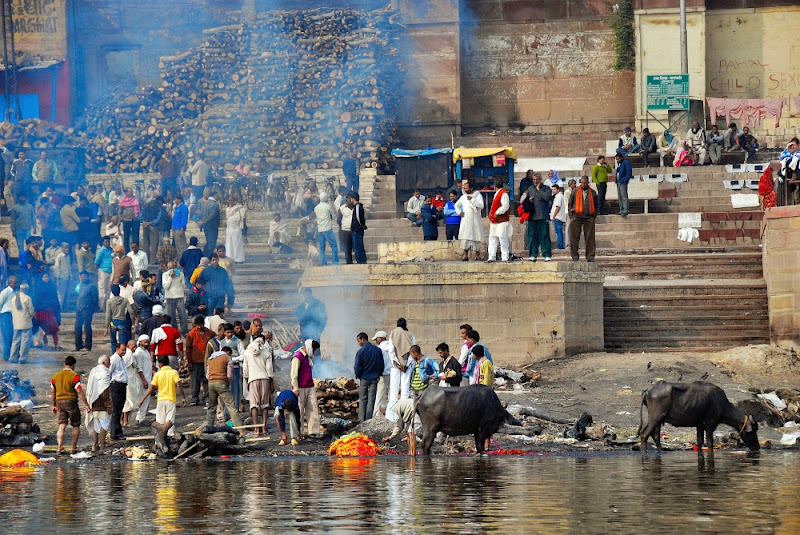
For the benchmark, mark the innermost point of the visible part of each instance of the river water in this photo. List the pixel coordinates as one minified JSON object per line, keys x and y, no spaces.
{"x":618,"y":493}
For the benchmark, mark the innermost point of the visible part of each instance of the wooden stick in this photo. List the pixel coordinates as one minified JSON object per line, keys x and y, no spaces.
{"x":199,"y":453}
{"x":187,"y":450}
{"x":41,"y":406}
{"x":256,"y":439}
{"x":251,"y":426}
{"x":143,"y":437}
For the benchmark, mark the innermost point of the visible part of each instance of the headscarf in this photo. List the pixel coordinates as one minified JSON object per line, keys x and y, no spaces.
{"x":130,"y":202}
{"x":667,"y":135}
{"x":309,"y":347}
{"x":555,"y":179}
{"x":766,"y":189}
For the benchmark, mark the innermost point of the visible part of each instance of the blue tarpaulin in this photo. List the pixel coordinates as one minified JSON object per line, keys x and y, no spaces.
{"x":402,"y":153}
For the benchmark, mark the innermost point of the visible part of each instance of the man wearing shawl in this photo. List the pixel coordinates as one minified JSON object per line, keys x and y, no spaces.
{"x":402,"y":340}
{"x":98,"y":395}
{"x":278,"y":232}
{"x":470,"y":231}
{"x":135,"y":367}
{"x":303,"y":386}
{"x":145,"y":363}
{"x":499,"y":228}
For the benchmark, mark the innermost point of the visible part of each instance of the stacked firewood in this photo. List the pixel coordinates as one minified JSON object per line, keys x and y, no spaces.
{"x":303,"y":89}
{"x":337,"y":398}
{"x":14,"y":421}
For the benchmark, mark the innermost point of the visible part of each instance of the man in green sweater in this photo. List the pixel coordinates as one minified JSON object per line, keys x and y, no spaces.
{"x":600,"y":178}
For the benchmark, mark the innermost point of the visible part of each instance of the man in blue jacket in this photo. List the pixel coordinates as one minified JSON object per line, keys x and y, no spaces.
{"x":452,"y":218}
{"x":105,"y":267}
{"x":368,"y":369}
{"x":624,"y":175}
{"x":180,"y":219}
{"x":430,"y":220}
{"x":218,"y":284}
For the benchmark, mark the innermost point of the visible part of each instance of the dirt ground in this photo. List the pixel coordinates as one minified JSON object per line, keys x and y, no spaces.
{"x":608,"y":386}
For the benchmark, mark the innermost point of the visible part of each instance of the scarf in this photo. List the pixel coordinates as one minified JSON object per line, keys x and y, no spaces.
{"x":579,"y":201}
{"x":99,"y":380}
{"x":216,"y":354}
{"x":309,"y":347}
{"x":668,"y":136}
{"x":130,"y":202}
{"x":402,"y":343}
{"x":555,"y":179}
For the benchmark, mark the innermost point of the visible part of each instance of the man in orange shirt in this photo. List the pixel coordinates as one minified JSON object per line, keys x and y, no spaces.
{"x":65,"y":389}
{"x":196,"y":344}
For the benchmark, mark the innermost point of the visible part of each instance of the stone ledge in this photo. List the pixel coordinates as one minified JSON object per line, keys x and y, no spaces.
{"x":452,"y":273}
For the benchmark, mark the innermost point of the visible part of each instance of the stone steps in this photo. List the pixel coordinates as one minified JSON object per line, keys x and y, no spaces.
{"x":700,"y":313}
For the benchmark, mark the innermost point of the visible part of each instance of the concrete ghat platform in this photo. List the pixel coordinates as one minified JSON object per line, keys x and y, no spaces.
{"x":524,"y":311}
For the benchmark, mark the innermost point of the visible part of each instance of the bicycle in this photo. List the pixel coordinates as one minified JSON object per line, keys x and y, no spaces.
{"x":332,"y":184}
{"x":276,"y":193}
{"x":257,"y":189}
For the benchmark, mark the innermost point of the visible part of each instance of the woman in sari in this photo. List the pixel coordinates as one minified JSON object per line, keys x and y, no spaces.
{"x":766,"y":190}
{"x":48,"y":309}
{"x":684,"y":156}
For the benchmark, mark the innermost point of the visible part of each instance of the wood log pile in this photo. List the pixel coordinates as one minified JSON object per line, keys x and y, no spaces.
{"x":337,"y":398}
{"x":15,"y":423}
{"x":302,"y":89}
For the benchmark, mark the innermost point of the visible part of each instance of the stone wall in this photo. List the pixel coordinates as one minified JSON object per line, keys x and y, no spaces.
{"x":543,"y":64}
{"x":525,"y":312}
{"x":782,"y":272}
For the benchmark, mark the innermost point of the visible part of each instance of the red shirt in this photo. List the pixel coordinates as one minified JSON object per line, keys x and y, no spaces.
{"x":438,"y":203}
{"x":167,"y":344}
{"x":196,"y":343}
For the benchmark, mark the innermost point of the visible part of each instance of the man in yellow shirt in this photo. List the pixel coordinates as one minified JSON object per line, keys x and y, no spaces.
{"x":165,"y":381}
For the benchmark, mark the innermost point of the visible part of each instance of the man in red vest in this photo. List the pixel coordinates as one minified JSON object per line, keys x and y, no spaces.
{"x":582,"y":213}
{"x":499,"y":229}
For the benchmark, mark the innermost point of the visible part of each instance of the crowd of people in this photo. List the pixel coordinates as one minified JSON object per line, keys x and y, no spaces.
{"x":540,"y":203}
{"x":696,"y":146}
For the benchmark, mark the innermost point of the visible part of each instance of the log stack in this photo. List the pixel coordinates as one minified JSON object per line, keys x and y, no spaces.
{"x":337,"y":398}
{"x":16,"y":427}
{"x":302,"y":89}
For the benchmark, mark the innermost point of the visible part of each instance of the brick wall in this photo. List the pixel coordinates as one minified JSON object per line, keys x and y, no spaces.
{"x":782,"y":272}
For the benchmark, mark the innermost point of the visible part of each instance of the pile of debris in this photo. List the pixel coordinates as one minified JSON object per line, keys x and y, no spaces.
{"x":508,"y":378}
{"x":17,"y":427}
{"x":775,"y":407}
{"x":12,"y":388}
{"x":337,"y":398}
{"x":302,"y":89}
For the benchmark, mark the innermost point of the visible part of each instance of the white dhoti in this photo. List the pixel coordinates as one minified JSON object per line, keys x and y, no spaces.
{"x":133,"y":393}
{"x":98,"y":421}
{"x":500,"y":232}
{"x":165,"y":412}
{"x":382,"y":397}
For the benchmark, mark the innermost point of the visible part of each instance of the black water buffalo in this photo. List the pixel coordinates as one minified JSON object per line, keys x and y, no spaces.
{"x":699,"y":404}
{"x":472,"y":410}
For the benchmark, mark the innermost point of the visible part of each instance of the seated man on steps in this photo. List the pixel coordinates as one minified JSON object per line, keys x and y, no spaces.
{"x":628,"y":143}
{"x":414,"y":208}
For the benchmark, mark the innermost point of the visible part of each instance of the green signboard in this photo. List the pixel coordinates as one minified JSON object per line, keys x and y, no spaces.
{"x":668,"y":92}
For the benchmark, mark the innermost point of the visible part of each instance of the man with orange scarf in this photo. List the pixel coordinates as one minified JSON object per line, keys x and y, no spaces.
{"x":500,"y":229}
{"x":582,"y":213}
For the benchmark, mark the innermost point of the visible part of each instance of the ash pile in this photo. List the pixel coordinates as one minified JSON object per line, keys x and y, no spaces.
{"x":515,"y":378}
{"x":17,"y":427}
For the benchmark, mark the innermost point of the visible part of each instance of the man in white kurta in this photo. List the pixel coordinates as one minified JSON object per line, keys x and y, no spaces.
{"x":470,"y":231}
{"x":500,"y":229}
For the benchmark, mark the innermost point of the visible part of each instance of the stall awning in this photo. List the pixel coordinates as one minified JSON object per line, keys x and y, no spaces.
{"x":403,"y":153}
{"x":43,"y":64}
{"x":462,"y":152}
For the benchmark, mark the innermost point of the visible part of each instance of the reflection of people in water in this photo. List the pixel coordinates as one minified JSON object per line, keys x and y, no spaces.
{"x":167,"y":515}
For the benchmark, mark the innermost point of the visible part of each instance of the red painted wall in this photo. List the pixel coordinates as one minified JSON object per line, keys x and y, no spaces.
{"x":40,"y":81}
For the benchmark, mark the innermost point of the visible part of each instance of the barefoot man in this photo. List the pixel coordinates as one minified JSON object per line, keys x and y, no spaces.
{"x":65,"y":389}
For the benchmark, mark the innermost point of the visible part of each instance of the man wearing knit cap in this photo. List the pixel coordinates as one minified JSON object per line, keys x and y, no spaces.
{"x":326,"y":215}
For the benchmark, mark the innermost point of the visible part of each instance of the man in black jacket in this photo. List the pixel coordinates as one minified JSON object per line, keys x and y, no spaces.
{"x":357,"y":227}
{"x":87,"y":304}
{"x":150,"y":223}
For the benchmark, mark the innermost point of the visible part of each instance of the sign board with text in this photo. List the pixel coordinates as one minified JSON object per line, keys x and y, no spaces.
{"x":668,"y":92}
{"x":40,"y":28}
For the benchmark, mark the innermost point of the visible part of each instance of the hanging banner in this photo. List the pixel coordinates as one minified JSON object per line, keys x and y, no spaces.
{"x":40,"y":29}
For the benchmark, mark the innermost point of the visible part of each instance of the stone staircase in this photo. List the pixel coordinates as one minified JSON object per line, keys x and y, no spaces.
{"x":674,"y":301}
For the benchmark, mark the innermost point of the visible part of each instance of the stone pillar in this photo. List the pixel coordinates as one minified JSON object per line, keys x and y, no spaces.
{"x":781,"y":261}
{"x":525,"y":312}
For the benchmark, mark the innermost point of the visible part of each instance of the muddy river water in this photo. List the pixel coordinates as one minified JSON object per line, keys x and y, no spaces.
{"x":551,"y":493}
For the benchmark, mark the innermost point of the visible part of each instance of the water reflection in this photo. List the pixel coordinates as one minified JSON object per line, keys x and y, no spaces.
{"x":678,"y":492}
